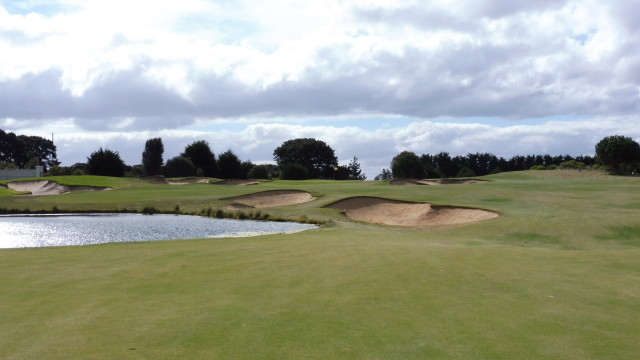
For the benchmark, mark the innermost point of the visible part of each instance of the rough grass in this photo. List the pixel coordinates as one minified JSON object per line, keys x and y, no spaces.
{"x":556,"y":276}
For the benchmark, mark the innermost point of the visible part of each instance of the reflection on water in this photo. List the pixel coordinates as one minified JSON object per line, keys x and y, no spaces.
{"x":62,"y":230}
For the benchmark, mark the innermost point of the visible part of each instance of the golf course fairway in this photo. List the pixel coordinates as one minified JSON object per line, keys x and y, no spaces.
{"x":555,"y":275}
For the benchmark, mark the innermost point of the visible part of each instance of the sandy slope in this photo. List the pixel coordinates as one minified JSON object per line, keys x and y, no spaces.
{"x":393,"y":212}
{"x":434,"y":182}
{"x":46,"y":187}
{"x":237,"y":182}
{"x":188,"y":181}
{"x":272,"y":198}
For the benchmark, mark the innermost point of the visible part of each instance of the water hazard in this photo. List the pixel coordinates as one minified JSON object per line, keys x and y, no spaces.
{"x":63,"y":230}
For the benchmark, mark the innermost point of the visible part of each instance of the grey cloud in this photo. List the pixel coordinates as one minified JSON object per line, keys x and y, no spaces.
{"x":419,"y":17}
{"x":627,"y":13}
{"x":466,"y":80}
{"x":425,"y":17}
{"x":35,"y":96}
{"x":502,"y":8}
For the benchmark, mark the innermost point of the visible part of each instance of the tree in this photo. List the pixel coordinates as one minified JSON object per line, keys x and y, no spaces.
{"x":407,"y":165}
{"x":259,"y":172}
{"x":384,"y":175}
{"x":295,"y":172}
{"x":229,"y":166}
{"x":202,"y":157}
{"x":21,"y":150}
{"x":264,"y":171}
{"x":354,"y":170}
{"x":106,"y":163}
{"x":618,"y":154}
{"x":152,"y":157}
{"x":314,"y":155}
{"x":179,"y":166}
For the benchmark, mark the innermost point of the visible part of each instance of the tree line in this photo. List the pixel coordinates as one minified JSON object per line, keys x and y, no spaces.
{"x":26,"y":152}
{"x":616,"y":154}
{"x":306,"y":158}
{"x":296,"y":159}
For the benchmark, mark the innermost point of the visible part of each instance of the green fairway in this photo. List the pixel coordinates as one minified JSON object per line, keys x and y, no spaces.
{"x":556,"y":276}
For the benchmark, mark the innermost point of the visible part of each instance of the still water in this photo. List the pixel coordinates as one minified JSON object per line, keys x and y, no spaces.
{"x":62,"y":230}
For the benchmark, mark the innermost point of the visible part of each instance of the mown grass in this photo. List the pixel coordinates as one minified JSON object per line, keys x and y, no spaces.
{"x":556,"y":276}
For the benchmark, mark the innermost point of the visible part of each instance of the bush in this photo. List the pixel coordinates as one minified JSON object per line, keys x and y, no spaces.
{"x":572,"y":164}
{"x":179,"y":166}
{"x":538,"y":167}
{"x":106,"y":163}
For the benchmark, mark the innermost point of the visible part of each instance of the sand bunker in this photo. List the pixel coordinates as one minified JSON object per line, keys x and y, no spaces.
{"x":434,"y":182}
{"x":188,"y":181}
{"x":237,"y":182}
{"x":402,"y":213}
{"x":46,"y":187}
{"x":270,"y":199}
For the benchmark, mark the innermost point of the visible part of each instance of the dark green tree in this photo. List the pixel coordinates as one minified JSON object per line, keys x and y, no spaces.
{"x":245,"y":168}
{"x":384,"y":175}
{"x":294,"y":172}
{"x":407,"y":165}
{"x":355,"y":173}
{"x":179,"y":166}
{"x":618,"y":154}
{"x":259,"y":172}
{"x":465,"y":171}
{"x":106,"y":163}
{"x":314,"y":155}
{"x":229,"y":166}
{"x":152,"y":157}
{"x":21,"y":150}
{"x":342,"y":173}
{"x":202,"y":157}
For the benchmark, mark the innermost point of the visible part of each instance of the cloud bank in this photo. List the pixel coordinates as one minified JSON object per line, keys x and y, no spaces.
{"x":162,"y":67}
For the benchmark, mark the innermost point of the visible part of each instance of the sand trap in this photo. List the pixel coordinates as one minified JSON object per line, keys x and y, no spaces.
{"x":434,"y":182}
{"x":237,"y":182}
{"x":271,"y":198}
{"x":402,"y":213}
{"x":188,"y":181}
{"x":46,"y":187}
{"x":237,"y":207}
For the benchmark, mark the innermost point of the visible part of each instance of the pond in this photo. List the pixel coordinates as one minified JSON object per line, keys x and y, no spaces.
{"x":87,"y":229}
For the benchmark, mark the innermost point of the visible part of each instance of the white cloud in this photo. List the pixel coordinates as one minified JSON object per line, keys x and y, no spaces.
{"x":163,"y":67}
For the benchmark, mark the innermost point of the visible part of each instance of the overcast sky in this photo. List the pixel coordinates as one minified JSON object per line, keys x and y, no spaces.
{"x":371,"y":78}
